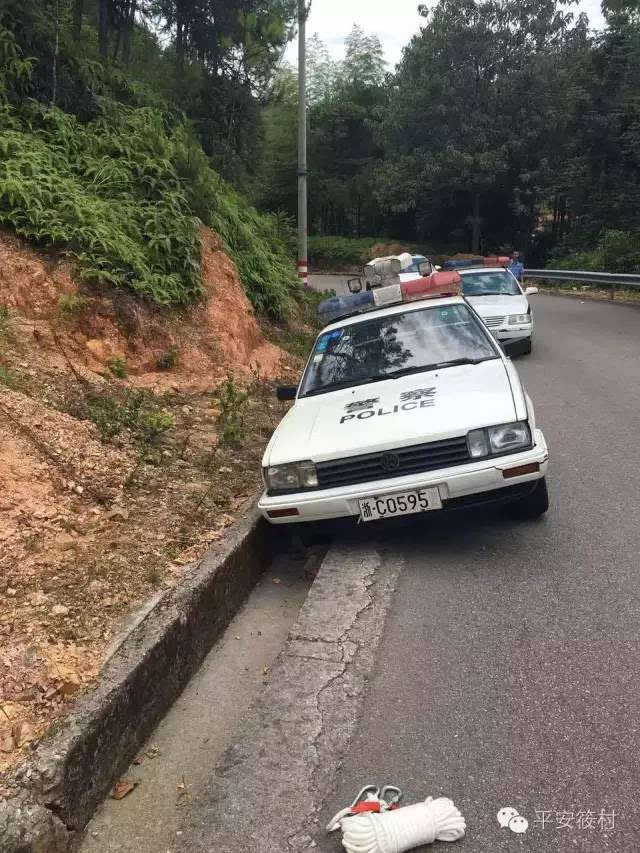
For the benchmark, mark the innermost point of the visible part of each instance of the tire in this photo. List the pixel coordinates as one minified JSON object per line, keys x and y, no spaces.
{"x":534,"y":505}
{"x":526,"y":350}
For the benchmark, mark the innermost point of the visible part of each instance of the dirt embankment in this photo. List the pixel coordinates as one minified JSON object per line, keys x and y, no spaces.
{"x":122,"y":456}
{"x":218,"y":336}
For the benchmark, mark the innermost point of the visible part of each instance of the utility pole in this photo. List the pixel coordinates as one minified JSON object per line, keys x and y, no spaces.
{"x":303,"y":267}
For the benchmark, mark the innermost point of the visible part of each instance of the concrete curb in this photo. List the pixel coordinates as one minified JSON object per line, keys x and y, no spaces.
{"x":54,"y":792}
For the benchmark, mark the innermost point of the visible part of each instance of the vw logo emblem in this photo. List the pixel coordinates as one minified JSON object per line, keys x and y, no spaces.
{"x":390,"y":462}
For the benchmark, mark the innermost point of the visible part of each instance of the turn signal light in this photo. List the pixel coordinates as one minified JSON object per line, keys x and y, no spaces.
{"x":529,"y":468}
{"x":282,"y":513}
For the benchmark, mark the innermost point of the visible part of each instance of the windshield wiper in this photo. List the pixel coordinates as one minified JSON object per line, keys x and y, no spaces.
{"x":492,"y":293}
{"x":405,"y":371}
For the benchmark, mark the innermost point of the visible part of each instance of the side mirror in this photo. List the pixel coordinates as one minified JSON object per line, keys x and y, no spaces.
{"x":354,"y":285}
{"x":437,"y":268}
{"x":530,"y":291}
{"x":287,"y":392}
{"x":425,"y":268}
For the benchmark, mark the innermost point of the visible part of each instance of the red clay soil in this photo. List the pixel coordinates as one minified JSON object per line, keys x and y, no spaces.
{"x":89,"y":525}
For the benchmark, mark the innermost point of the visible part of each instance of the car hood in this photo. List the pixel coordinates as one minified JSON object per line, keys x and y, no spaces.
{"x":496,"y":306}
{"x":394,"y":413}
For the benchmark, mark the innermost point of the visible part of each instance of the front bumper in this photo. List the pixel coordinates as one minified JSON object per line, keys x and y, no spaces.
{"x":454,"y":484}
{"x":513,"y":333}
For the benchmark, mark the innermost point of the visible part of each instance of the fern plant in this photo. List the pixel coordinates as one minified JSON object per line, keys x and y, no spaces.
{"x":123,"y":195}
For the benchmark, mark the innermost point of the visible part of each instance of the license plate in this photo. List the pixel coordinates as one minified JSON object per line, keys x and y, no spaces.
{"x":402,"y":503}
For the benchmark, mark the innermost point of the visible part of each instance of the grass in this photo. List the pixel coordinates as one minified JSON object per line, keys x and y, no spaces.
{"x":114,"y":410}
{"x":573,"y":288}
{"x":9,"y":379}
{"x":299,"y":335}
{"x":71,"y":304}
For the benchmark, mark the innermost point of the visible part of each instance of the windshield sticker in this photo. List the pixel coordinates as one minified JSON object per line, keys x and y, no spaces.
{"x":418,"y":394}
{"x":362,"y":410}
{"x":329,"y":337}
{"x":358,"y":405}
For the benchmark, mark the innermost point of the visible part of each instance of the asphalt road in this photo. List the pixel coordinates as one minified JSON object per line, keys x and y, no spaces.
{"x":507,"y":673}
{"x":509,"y":670}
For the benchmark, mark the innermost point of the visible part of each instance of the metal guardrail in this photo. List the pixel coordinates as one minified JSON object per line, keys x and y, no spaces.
{"x":612,"y":279}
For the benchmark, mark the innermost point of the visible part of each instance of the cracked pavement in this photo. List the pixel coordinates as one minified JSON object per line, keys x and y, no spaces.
{"x":273,"y":779}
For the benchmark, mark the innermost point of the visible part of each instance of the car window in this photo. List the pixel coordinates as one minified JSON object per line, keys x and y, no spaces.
{"x":415,"y":266}
{"x":490,"y":283}
{"x":358,"y":353}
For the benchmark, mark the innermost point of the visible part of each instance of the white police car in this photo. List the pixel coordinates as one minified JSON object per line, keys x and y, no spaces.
{"x":497,"y":296}
{"x":395,"y":269}
{"x":406,"y":405}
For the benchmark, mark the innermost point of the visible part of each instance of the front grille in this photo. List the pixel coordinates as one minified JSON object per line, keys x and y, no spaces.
{"x":493,"y":322}
{"x":411,"y":460}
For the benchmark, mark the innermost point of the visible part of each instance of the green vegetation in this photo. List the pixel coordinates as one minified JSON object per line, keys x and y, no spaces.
{"x":233,"y":402}
{"x":168,"y":359}
{"x":124,"y":124}
{"x":71,"y":304}
{"x":5,"y":320}
{"x":7,"y":378}
{"x":120,"y":186}
{"x":505,"y":125}
{"x":339,"y":253}
{"x":614,"y":251}
{"x":113,"y":410}
{"x":118,"y":366}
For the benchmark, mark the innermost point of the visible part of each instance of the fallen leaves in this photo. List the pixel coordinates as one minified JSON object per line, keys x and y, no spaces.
{"x":123,"y":788}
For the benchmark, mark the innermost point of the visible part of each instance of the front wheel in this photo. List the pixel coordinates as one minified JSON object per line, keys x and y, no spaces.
{"x":526,"y":350}
{"x":533,"y":505}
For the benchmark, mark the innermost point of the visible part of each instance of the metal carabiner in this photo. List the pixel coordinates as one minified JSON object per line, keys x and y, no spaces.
{"x":396,"y":796}
{"x":369,"y":792}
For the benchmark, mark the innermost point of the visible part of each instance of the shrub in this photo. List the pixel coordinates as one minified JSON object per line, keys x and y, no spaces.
{"x":168,"y":359}
{"x":152,"y":424}
{"x":118,"y":366}
{"x":233,"y":402}
{"x":339,"y":253}
{"x":5,"y":320}
{"x":72,"y":303}
{"x":123,"y":193}
{"x":113,"y":411}
{"x":614,"y":251}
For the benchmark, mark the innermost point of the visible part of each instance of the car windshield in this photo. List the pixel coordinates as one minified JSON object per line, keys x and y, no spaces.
{"x":490,"y":283}
{"x":394,"y":345}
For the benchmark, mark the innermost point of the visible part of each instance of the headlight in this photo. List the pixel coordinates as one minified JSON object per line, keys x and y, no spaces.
{"x":294,"y":475}
{"x":498,"y":439}
{"x":519,"y":319}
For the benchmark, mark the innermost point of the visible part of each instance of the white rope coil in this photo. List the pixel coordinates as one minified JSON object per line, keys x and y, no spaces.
{"x":402,"y":829}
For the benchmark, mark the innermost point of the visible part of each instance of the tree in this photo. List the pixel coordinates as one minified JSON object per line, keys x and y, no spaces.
{"x":364,"y":63}
{"x":471,"y":116}
{"x":322,"y":71}
{"x":240,"y":39}
{"x":277,"y":189}
{"x":616,"y":7}
{"x":598,"y":178}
